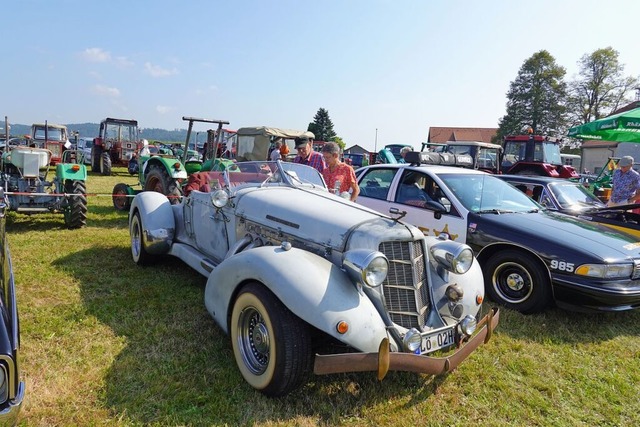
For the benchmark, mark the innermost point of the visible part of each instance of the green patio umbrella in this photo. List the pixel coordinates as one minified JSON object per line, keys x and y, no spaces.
{"x":621,"y":127}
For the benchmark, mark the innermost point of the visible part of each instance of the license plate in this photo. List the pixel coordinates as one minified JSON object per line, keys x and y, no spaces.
{"x":438,"y":340}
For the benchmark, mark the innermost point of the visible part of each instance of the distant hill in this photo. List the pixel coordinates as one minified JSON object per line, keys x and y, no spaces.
{"x":90,"y":130}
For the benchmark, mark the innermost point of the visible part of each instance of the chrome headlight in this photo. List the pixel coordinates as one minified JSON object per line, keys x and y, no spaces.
{"x":606,"y":271}
{"x":219,"y":198}
{"x":455,"y":257}
{"x":366,"y":267}
{"x":412,"y":340}
{"x":468,"y":325}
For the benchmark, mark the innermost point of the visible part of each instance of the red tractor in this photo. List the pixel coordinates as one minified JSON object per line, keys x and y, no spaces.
{"x":534,"y":155}
{"x":119,"y":140}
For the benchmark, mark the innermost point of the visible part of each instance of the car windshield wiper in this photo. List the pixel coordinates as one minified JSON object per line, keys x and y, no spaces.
{"x":495,"y":211}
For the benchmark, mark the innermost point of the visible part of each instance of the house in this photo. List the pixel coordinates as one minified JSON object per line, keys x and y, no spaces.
{"x":441,"y":135}
{"x":356,"y":149}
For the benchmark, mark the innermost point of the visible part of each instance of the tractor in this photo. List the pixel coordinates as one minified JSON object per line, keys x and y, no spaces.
{"x":166,"y":173}
{"x":118,"y":141}
{"x":534,"y":155}
{"x":51,"y":137}
{"x":24,"y":178}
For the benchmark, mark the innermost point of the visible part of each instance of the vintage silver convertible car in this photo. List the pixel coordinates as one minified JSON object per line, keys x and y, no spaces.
{"x":306,"y":281}
{"x":11,"y":386}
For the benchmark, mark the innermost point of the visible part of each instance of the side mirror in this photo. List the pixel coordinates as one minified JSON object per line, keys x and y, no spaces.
{"x":435,"y":206}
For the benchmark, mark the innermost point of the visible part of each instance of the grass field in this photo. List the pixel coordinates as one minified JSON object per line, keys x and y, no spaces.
{"x":105,"y":342}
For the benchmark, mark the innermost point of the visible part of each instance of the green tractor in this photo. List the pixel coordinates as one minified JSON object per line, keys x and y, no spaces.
{"x":27,"y":189}
{"x":166,"y":173}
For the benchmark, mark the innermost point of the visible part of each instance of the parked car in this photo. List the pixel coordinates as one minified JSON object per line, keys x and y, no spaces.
{"x":306,"y":281}
{"x":531,"y":257}
{"x":11,"y":385}
{"x":84,"y":146}
{"x":571,"y":197}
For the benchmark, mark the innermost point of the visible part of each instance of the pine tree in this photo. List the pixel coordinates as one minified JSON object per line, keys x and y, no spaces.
{"x":322,"y":127}
{"x":536,"y":98}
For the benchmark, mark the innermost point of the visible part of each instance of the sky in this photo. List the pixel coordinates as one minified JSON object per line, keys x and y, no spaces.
{"x":385,"y":70}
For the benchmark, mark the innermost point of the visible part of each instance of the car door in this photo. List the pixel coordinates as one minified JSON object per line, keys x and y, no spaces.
{"x":419,"y":206}
{"x":206,"y":226}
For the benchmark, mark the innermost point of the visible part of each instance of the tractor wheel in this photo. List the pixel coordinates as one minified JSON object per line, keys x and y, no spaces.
{"x":75,"y":214}
{"x":518,"y":281}
{"x":105,"y":163}
{"x":271,"y":345}
{"x":96,"y":155}
{"x":158,"y":180}
{"x":138,"y":252}
{"x":120,"y":196}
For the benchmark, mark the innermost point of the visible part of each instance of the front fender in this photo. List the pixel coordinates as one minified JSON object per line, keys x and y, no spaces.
{"x":311,"y":287}
{"x":157,"y":220}
{"x":66,"y":171}
{"x":168,"y":164}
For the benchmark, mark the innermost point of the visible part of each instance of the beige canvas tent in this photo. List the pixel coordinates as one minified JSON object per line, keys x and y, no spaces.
{"x":254,"y":142}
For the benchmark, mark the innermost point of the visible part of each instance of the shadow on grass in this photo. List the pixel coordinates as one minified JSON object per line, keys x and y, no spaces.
{"x":97,"y":216}
{"x":178,"y":368}
{"x":557,"y":325}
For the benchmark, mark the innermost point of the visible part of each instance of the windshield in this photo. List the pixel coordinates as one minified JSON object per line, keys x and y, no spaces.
{"x":485,"y":193}
{"x":550,"y":153}
{"x":53,"y":134}
{"x":121,"y":132}
{"x":268,"y":173}
{"x":574,"y":196}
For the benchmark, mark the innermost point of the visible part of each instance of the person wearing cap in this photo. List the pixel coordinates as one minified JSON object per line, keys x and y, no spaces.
{"x":625,"y":183}
{"x":338,"y":175}
{"x":306,"y":155}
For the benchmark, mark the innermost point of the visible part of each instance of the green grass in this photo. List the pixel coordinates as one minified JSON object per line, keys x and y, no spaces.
{"x":105,"y":342}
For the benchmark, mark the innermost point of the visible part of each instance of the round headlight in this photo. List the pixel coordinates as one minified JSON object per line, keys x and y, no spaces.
{"x":468,"y":325}
{"x":455,"y":257}
{"x":366,"y":267}
{"x":412,"y":340}
{"x":376,"y":271}
{"x":462,"y":261}
{"x":219,"y":198}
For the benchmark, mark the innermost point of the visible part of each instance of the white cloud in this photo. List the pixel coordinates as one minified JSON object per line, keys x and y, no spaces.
{"x":95,"y":54}
{"x":157,"y":71}
{"x":110,"y":92}
{"x":163,"y":109}
{"x":123,"y":62}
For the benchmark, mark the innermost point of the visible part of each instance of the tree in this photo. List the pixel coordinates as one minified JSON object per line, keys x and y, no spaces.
{"x":536,"y":98}
{"x":600,"y":87}
{"x":322,"y":127}
{"x":340,"y":142}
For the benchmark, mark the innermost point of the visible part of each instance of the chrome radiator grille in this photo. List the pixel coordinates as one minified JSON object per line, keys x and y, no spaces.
{"x":405,"y":290}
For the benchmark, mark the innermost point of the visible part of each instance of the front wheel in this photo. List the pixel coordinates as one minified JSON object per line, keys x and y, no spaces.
{"x":272,"y":346}
{"x":138,"y":252}
{"x":518,"y":281}
{"x":75,"y":214}
{"x":96,"y":155}
{"x":120,"y":197}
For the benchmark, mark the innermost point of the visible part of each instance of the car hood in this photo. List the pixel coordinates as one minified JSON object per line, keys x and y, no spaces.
{"x":547,"y":232}
{"x":318,"y":216}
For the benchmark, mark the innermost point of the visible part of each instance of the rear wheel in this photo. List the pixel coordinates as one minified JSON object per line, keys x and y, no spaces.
{"x":75,"y":214}
{"x":271,"y":345}
{"x":138,"y":252}
{"x":96,"y":155}
{"x":120,"y":196}
{"x":105,"y":160}
{"x":518,"y":281}
{"x":158,"y":180}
